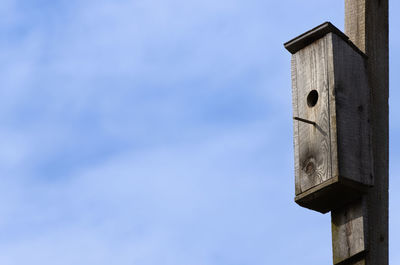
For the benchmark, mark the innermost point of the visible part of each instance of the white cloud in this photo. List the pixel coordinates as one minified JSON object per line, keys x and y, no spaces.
{"x":152,"y":132}
{"x":137,"y":205}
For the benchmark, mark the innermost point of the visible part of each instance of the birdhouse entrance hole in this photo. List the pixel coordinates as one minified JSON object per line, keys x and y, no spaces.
{"x":312,"y":98}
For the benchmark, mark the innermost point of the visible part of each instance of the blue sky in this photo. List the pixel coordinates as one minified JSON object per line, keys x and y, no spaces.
{"x":159,"y":132}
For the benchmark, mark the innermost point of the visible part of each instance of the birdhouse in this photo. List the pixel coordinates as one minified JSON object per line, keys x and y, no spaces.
{"x":331,"y":99}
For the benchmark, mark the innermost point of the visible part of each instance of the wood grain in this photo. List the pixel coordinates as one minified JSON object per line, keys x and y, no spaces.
{"x":348,"y":233}
{"x":351,"y":95}
{"x":295,"y":125}
{"x":331,"y":136}
{"x":313,"y":160}
{"x":366,"y":23}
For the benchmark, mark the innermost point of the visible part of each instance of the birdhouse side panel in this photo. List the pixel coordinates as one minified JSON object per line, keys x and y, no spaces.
{"x":352,"y":97}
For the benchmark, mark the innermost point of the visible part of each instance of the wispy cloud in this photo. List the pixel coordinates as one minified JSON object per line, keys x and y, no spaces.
{"x":152,"y":132}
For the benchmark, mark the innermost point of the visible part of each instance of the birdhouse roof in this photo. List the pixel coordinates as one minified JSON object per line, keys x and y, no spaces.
{"x":316,"y":33}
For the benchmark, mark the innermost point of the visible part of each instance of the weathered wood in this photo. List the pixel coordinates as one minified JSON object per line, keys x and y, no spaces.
{"x":331,"y":194}
{"x":366,"y":24}
{"x":311,"y":36}
{"x":348,"y":234}
{"x":331,"y":109}
{"x":351,"y":94}
{"x":295,"y":127}
{"x":355,"y":14}
{"x":313,"y":141}
{"x":315,"y":34}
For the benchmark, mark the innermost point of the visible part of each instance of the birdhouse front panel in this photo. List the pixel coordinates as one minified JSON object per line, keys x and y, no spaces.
{"x":312,"y":139}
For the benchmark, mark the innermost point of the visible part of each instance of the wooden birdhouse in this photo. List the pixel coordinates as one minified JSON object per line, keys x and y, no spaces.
{"x":331,"y":109}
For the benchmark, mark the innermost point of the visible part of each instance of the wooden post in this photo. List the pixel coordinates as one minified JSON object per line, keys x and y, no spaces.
{"x":360,"y":231}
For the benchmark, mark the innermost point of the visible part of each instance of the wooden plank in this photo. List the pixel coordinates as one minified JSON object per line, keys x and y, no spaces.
{"x":355,"y":14}
{"x":311,"y":36}
{"x":348,"y":233}
{"x":332,"y":107}
{"x":316,"y":33}
{"x":352,"y":100}
{"x":314,"y":161}
{"x":377,"y":49}
{"x":366,"y":23}
{"x":295,"y":125}
{"x":331,"y":194}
